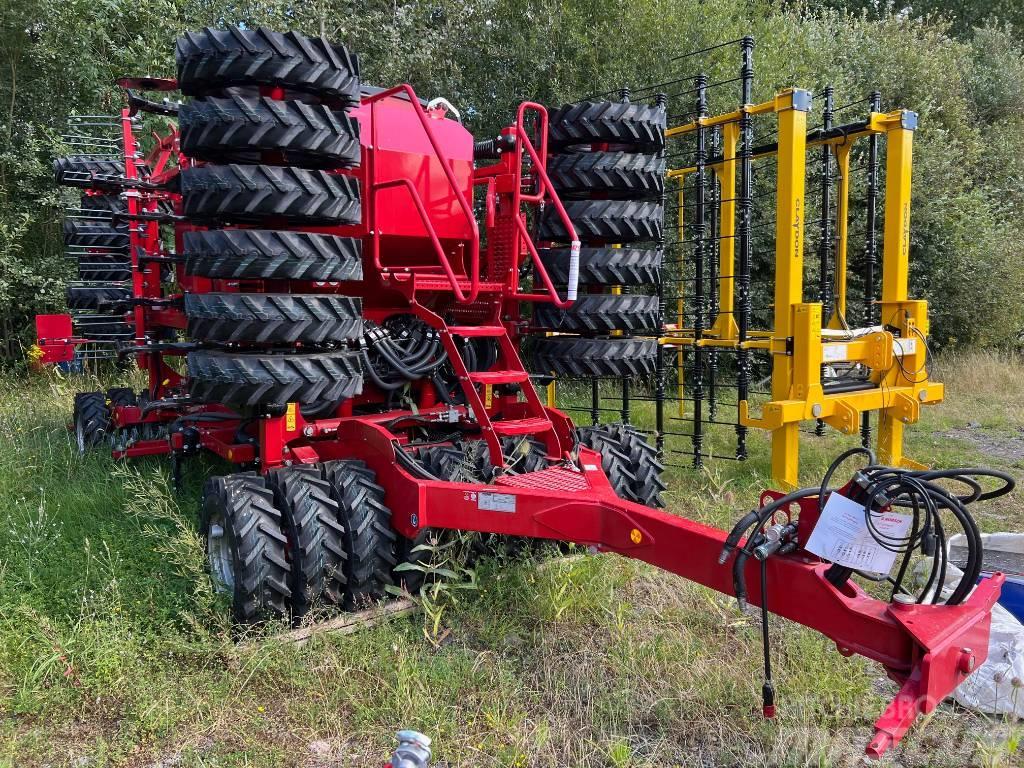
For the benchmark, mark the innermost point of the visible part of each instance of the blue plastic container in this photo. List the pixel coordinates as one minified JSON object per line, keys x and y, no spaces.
{"x":1012,"y":596}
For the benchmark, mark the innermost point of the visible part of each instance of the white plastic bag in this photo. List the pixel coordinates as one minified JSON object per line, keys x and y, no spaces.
{"x":997,"y":686}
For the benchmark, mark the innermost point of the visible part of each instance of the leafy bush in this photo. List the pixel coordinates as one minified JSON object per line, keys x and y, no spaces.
{"x":487,"y":55}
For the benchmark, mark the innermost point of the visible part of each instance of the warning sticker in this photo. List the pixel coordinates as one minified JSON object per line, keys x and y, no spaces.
{"x":841,"y":535}
{"x":496,"y":502}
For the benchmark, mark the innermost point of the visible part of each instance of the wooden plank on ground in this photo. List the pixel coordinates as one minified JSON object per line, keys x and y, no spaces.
{"x":348,"y":623}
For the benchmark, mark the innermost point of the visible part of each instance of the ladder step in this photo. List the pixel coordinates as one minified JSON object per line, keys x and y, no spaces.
{"x":468,"y":331}
{"x":442,"y":283}
{"x":522,"y":426}
{"x":498,"y":377}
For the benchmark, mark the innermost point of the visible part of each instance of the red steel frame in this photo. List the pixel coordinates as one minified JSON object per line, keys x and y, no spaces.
{"x":928,"y":650}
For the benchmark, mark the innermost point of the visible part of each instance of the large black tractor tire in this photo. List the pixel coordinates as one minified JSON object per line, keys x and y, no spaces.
{"x":269,"y":381}
{"x":212,"y":59}
{"x":122,"y":438}
{"x":239,"y":130}
{"x":448,"y":463}
{"x":601,"y":313}
{"x":242,"y":528}
{"x":254,"y":193}
{"x":273,"y":318}
{"x":575,"y":356}
{"x":445,"y":463}
{"x":605,"y":266}
{"x":95,"y":234}
{"x":316,"y":544}
{"x":369,"y":538}
{"x":523,"y":454}
{"x":91,"y":420}
{"x":619,"y":175}
{"x":121,"y":396}
{"x":108,"y":205}
{"x":92,"y":172}
{"x":262,"y":254}
{"x":643,"y":458}
{"x":98,"y":236}
{"x":104,"y":267}
{"x":107,"y":300}
{"x":614,"y":461}
{"x":629,"y":461}
{"x":104,"y":328}
{"x":608,"y":221}
{"x":103,"y":205}
{"x":633,"y":127}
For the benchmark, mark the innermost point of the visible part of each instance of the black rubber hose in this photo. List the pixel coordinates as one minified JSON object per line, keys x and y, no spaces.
{"x":375,"y":377}
{"x":824,"y":489}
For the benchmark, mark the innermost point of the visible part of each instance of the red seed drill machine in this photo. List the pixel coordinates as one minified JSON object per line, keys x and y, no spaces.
{"x":352,"y":281}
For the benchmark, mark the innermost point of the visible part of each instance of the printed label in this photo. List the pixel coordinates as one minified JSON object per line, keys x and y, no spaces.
{"x":496,"y":502}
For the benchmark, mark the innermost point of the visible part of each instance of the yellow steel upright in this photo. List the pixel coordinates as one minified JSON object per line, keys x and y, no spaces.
{"x":681,"y":304}
{"x":725,"y":325}
{"x":910,"y":317}
{"x":842,"y":152}
{"x":789,"y":270}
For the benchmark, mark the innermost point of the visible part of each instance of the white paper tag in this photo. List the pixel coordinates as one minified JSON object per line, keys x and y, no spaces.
{"x":841,"y":535}
{"x":574,"y":270}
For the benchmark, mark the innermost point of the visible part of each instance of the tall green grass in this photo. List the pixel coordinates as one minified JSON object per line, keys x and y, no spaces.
{"x":114,"y":650}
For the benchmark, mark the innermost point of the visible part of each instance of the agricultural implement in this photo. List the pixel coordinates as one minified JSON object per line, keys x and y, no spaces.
{"x":343,"y":313}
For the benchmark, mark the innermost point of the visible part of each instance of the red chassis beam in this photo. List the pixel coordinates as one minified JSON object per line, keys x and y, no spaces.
{"x":928,"y":649}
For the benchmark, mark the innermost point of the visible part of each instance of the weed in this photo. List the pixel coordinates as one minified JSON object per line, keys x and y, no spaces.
{"x":114,"y":651}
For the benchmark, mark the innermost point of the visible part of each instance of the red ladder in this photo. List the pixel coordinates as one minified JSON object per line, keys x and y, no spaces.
{"x":508,"y":370}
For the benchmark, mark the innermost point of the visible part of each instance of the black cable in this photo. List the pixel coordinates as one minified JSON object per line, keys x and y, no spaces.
{"x":767,"y":689}
{"x":880,"y":488}
{"x":412,"y":466}
{"x":824,"y":489}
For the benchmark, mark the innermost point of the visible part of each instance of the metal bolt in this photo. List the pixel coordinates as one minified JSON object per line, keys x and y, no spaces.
{"x":903,"y":601}
{"x":308,"y":430}
{"x":967,"y":661}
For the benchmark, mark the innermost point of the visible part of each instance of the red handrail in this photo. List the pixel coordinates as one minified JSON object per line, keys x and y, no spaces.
{"x":547,"y":190}
{"x":467,"y":209}
{"x":422,"y":210}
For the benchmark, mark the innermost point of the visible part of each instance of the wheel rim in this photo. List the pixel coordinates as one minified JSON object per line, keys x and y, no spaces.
{"x":218,"y":550}
{"x":80,"y":436}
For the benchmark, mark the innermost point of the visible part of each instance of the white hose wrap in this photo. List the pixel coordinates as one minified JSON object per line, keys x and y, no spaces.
{"x":574,"y":269}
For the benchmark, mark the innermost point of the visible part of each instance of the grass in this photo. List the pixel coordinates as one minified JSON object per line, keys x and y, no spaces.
{"x":114,"y":651}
